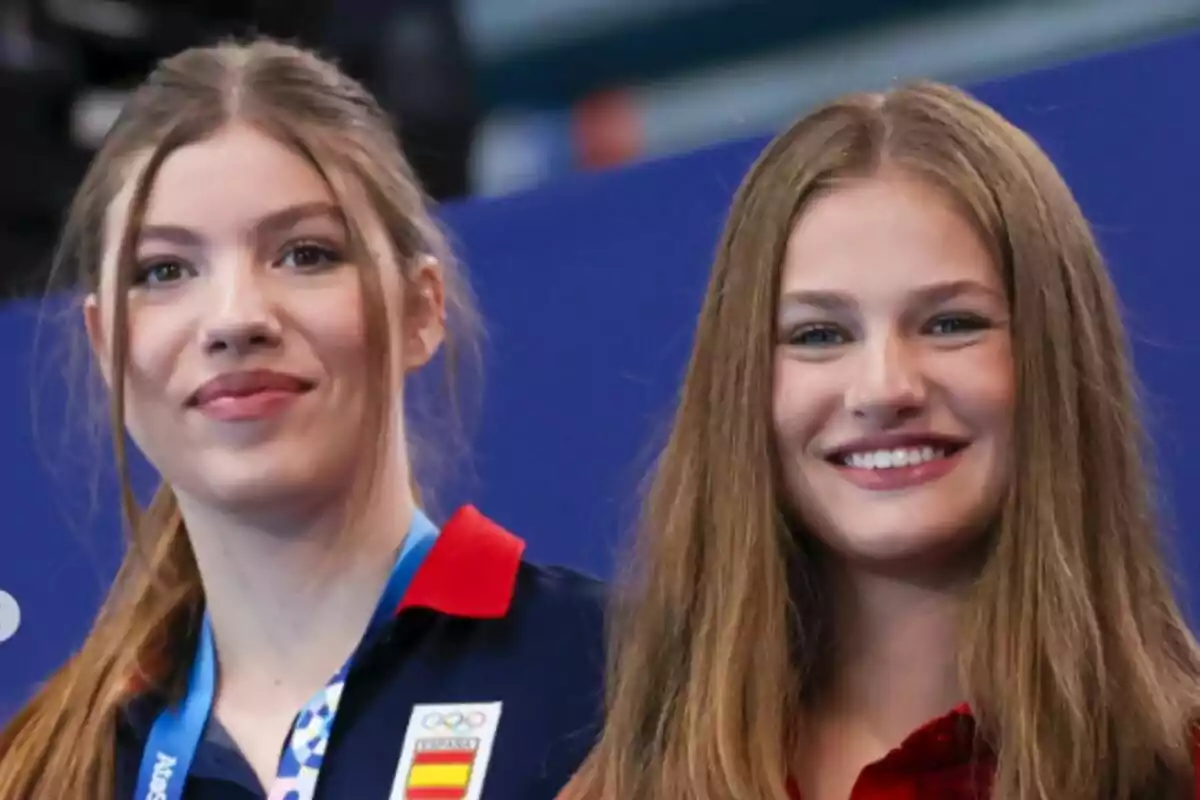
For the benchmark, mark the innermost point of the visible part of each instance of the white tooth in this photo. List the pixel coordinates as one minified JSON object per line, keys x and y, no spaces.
{"x":898,"y":457}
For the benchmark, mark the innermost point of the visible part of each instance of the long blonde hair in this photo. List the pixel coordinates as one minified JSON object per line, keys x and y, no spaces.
{"x":1077,"y":661}
{"x":62,"y":743}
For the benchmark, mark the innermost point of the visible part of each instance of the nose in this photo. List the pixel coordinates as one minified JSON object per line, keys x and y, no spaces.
{"x":888,"y":387}
{"x":240,"y":319}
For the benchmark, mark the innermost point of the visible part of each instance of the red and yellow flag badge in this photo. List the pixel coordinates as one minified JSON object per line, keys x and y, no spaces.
{"x":441,"y":769}
{"x":446,"y":752}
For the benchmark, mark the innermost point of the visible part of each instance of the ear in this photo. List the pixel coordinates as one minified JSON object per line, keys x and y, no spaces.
{"x":101,"y":349}
{"x":424,"y":314}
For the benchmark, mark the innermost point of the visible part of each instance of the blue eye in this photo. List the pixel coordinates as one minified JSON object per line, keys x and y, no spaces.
{"x":309,"y":256}
{"x":160,"y":272}
{"x":820,"y":335}
{"x":951,"y":324}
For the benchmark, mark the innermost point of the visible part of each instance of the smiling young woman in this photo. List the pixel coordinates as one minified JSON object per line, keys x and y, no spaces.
{"x":901,"y":539}
{"x":261,"y":277}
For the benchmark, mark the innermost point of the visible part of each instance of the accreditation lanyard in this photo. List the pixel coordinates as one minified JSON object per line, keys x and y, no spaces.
{"x":176,"y":733}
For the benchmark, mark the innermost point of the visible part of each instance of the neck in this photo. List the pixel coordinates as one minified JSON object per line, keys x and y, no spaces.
{"x":289,"y":597}
{"x":895,"y":655}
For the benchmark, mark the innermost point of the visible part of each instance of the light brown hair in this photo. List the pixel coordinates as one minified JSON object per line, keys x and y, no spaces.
{"x":62,"y":743}
{"x":1076,"y":659}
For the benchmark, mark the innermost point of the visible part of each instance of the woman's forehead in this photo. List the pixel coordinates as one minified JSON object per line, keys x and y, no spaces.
{"x":222,"y":186}
{"x":225,"y":179}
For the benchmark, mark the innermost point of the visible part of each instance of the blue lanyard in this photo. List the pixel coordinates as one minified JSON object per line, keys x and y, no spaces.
{"x":176,"y":733}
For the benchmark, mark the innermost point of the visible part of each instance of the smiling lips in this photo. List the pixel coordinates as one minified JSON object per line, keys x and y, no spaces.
{"x":897,"y":462}
{"x":249,"y":395}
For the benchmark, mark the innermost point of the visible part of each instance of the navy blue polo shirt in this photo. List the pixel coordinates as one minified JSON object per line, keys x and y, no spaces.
{"x":478,"y":628}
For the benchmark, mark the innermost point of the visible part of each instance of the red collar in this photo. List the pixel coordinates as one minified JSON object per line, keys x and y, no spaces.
{"x":940,"y":759}
{"x":471,"y":571}
{"x":945,"y":741}
{"x":942,"y":753}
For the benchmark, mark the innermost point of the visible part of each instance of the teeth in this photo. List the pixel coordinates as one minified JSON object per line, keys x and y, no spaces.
{"x":888,"y":459}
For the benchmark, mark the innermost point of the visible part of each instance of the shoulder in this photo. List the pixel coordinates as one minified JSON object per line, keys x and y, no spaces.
{"x":478,"y":569}
{"x":558,"y":602}
{"x":476,"y":578}
{"x":133,"y":726}
{"x":1196,"y":762}
{"x":529,"y":635}
{"x":562,"y":589}
{"x":562,"y":612}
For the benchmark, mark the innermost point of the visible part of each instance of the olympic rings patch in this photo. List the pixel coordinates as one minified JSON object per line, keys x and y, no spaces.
{"x":453,"y":722}
{"x":447,"y":751}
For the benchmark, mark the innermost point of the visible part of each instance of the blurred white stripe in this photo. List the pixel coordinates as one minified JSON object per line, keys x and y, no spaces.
{"x":114,"y":18}
{"x":498,"y":29}
{"x":93,"y":114}
{"x":761,"y":95}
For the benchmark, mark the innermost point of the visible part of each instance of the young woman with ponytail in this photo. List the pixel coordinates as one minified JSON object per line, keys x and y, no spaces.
{"x":901,"y":541}
{"x":261,"y":281}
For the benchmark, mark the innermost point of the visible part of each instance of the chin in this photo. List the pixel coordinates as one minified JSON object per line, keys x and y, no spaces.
{"x":256,"y":493}
{"x":941,"y":514}
{"x":245,"y":482}
{"x":906,"y":547}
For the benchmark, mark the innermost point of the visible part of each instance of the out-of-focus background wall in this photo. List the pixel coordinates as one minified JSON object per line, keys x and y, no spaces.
{"x":499,"y":96}
{"x":589,"y":283}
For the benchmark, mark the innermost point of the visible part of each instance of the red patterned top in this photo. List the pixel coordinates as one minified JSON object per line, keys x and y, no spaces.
{"x":938,"y":760}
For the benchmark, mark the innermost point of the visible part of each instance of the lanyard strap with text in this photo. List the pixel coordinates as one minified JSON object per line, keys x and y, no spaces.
{"x":176,"y":733}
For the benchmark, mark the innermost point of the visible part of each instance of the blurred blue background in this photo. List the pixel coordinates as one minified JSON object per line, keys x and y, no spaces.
{"x":586,"y":151}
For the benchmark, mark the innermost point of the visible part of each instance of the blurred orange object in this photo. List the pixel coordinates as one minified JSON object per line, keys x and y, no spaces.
{"x":607,"y":130}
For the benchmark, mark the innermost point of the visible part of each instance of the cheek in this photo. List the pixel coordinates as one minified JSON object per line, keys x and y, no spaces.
{"x":1000,"y":400}
{"x":332,"y":327}
{"x":338,"y":325}
{"x":156,"y":353}
{"x":980,"y":391}
{"x":985,"y":388}
{"x":799,"y":408}
{"x":157,"y":370}
{"x":804,"y":402}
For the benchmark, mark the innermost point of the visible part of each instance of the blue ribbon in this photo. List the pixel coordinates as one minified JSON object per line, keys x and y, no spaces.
{"x":176,"y":733}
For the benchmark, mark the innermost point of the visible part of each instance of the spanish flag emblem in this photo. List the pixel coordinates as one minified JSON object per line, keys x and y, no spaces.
{"x":441,"y":769}
{"x":447,"y":750}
